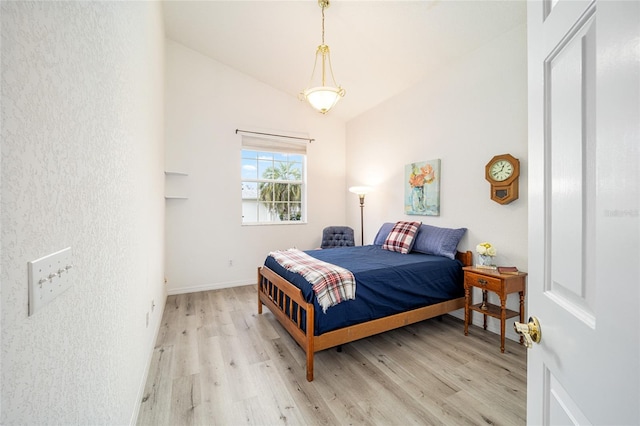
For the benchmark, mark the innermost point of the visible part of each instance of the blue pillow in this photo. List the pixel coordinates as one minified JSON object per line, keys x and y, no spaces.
{"x":382,"y":234}
{"x":438,"y":241}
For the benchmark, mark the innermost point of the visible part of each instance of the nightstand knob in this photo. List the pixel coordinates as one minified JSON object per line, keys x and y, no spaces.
{"x":482,"y":282}
{"x":530,"y":331}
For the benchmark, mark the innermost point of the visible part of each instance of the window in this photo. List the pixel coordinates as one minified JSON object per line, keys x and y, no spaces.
{"x":273,"y":182}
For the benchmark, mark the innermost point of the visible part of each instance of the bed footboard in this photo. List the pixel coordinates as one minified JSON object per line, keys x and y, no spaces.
{"x":287,"y":304}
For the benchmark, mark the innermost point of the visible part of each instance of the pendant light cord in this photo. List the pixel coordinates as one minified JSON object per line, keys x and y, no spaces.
{"x":323,"y":6}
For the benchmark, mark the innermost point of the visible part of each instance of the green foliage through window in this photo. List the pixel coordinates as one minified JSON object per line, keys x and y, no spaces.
{"x":272,"y":187}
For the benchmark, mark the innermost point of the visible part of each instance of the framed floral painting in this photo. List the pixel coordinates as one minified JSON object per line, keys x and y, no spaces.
{"x":422,"y":188}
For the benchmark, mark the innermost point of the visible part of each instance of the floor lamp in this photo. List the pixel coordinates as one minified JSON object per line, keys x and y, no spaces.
{"x":361,"y":191}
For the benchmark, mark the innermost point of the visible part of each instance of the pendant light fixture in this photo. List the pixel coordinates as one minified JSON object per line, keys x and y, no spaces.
{"x":322,"y":97}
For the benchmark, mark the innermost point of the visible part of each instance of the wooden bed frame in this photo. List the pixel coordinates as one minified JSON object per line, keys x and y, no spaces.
{"x":273,"y":288}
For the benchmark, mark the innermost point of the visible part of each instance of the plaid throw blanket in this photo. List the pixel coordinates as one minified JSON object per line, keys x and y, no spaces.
{"x":331,"y":284}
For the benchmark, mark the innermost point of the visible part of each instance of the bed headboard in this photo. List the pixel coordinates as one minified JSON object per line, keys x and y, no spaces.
{"x":465,"y":257}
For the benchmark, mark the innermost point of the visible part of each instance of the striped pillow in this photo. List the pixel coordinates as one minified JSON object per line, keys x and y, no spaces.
{"x":438,"y":241}
{"x":401,"y":237}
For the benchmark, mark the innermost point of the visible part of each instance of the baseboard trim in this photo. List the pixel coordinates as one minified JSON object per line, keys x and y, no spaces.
{"x":207,"y":287}
{"x":151,"y":346}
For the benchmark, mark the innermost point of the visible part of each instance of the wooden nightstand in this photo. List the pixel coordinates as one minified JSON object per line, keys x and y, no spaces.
{"x":502,"y":285}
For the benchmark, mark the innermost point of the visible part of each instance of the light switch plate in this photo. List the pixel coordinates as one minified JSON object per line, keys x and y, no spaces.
{"x":49,"y":277}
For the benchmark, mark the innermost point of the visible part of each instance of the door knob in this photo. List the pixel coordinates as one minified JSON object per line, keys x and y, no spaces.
{"x":530,"y":331}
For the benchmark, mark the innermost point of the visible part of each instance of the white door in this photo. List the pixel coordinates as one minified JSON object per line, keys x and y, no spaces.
{"x":584,"y":220}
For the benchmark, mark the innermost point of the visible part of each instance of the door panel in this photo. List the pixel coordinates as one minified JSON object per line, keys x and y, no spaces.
{"x":569,"y":86}
{"x":562,"y":409}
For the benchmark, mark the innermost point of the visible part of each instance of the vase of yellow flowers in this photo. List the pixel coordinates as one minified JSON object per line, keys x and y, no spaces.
{"x":486,"y":252}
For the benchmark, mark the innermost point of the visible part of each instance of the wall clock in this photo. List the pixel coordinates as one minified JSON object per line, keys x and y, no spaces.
{"x":502,"y":172}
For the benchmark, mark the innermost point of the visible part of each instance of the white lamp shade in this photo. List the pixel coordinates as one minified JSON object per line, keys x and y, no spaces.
{"x":360,"y":190}
{"x":323,"y":98}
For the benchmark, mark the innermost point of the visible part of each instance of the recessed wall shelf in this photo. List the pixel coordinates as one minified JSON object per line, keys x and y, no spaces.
{"x":175,"y":185}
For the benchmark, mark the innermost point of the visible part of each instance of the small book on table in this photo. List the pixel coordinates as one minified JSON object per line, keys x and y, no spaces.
{"x":508,"y":270}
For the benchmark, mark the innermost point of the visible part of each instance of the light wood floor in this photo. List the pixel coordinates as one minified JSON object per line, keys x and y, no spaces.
{"x":217,"y":361}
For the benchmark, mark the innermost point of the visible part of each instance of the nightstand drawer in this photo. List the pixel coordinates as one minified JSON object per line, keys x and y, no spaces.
{"x":483,"y":281}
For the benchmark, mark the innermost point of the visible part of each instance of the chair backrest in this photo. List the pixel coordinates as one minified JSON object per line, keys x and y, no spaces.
{"x":337,"y":236}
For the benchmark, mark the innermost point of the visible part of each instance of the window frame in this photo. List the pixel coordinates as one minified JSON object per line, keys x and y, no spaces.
{"x":274,"y":148}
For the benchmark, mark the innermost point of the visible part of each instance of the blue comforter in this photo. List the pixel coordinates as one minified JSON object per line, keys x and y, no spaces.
{"x":387,"y":283}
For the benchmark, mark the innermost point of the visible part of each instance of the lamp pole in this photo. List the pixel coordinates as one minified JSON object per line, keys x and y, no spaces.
{"x":361,"y":196}
{"x":361,"y":191}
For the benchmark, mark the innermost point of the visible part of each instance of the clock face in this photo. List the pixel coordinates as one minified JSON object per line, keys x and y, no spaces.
{"x":501,"y":170}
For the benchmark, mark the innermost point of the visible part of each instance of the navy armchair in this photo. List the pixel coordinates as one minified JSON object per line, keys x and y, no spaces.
{"x":337,"y":236}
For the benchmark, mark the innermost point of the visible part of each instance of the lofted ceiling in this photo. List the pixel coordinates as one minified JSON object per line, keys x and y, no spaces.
{"x":378,"y":48}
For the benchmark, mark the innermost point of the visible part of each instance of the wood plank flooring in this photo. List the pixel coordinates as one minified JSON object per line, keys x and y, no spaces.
{"x":217,"y":361}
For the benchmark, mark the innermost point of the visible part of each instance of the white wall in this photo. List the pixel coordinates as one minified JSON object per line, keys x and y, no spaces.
{"x":469,"y":112}
{"x":82,"y":166}
{"x":206,"y":102}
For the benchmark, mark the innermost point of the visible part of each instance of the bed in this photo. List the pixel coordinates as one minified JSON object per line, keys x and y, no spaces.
{"x":394,"y":288}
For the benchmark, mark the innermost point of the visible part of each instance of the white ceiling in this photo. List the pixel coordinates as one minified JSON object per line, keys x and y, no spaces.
{"x":378,"y":48}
